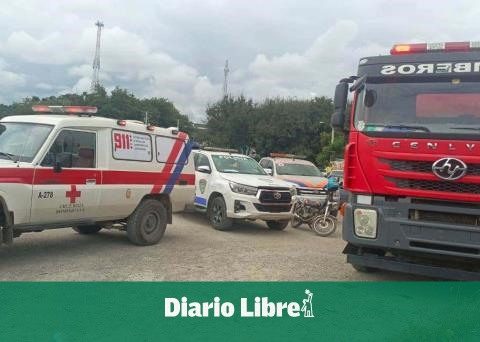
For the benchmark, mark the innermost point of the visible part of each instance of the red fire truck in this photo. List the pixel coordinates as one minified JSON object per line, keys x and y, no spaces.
{"x":412,"y":162}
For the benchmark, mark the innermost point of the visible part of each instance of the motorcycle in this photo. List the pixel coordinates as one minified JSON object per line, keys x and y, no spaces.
{"x":320,"y":217}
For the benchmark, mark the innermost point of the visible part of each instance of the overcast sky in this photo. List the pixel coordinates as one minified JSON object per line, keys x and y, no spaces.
{"x":176,"y":49}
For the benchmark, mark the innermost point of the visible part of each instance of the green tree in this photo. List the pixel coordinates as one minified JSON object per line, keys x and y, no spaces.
{"x":275,"y":125}
{"x":120,"y":104}
{"x":229,"y":123}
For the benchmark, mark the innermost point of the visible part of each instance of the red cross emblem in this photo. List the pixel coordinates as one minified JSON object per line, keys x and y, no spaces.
{"x":73,"y":193}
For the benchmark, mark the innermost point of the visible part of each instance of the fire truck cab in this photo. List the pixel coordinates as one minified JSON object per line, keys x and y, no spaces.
{"x":70,"y":169}
{"x":412,"y":162}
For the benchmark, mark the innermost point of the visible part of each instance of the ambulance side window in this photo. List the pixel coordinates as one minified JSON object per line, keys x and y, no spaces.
{"x":72,"y":149}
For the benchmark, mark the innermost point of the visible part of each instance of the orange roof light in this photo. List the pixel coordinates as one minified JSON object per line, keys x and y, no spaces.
{"x":408,"y":48}
{"x":399,"y":49}
{"x":64,"y":109}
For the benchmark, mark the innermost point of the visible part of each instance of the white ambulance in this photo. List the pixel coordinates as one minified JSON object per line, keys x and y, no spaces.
{"x":71,"y":169}
{"x":232,"y":186}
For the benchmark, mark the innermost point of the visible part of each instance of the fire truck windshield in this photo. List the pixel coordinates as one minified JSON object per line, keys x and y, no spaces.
{"x":425,"y":108}
{"x":21,"y":141}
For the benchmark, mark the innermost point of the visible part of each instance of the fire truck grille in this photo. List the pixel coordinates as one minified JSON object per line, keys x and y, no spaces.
{"x":444,"y":186}
{"x":449,"y":218}
{"x":424,"y":166}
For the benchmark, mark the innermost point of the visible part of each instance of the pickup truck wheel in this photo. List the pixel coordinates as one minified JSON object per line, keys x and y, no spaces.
{"x":146,"y":226}
{"x":217,"y":213}
{"x":277,"y":225}
{"x":87,"y":229}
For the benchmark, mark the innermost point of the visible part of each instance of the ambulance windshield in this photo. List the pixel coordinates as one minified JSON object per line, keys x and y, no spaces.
{"x":21,"y":141}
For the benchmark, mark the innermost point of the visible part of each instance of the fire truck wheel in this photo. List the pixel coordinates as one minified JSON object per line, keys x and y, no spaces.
{"x":217,"y":213}
{"x":148,"y":222}
{"x":88,"y":229}
{"x":363,"y":269}
{"x":277,"y":225}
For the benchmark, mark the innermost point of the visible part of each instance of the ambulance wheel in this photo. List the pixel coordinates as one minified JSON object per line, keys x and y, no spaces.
{"x":277,"y":225}
{"x":88,"y":229}
{"x":147,"y":224}
{"x":217,"y":214}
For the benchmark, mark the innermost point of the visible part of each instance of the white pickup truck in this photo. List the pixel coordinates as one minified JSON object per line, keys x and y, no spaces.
{"x":232,"y":186}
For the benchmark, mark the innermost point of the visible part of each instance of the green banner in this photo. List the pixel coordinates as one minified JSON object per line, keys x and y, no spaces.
{"x":239,"y":311}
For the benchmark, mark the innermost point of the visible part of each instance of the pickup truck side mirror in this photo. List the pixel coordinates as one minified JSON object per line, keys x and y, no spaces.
{"x":269,"y":171}
{"x":204,"y":169}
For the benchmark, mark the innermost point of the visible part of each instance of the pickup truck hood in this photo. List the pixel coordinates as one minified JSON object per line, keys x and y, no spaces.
{"x":256,"y":180}
{"x":305,"y":181}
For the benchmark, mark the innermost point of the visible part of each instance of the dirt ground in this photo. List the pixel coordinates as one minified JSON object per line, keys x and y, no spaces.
{"x":190,"y":250}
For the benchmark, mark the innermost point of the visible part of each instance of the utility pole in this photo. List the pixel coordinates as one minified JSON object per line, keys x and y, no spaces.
{"x":226,"y":71}
{"x":96,"y":59}
{"x":332,"y":137}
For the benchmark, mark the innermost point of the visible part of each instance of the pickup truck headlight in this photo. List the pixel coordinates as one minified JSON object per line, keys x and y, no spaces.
{"x":293,"y":192}
{"x":243,"y":189}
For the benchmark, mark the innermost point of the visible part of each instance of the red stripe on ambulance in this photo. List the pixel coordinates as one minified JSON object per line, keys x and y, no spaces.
{"x":75,"y":176}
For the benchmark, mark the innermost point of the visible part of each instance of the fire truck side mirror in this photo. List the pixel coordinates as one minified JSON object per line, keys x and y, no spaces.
{"x":340,"y":104}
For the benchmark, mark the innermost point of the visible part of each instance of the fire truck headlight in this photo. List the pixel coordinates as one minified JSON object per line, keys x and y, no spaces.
{"x":365,"y":222}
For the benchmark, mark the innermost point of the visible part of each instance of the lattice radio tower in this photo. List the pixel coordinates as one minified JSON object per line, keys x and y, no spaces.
{"x":96,"y":59}
{"x":226,"y":71}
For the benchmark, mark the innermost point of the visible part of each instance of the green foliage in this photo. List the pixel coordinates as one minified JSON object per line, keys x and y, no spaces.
{"x":120,"y":104}
{"x":330,"y":151}
{"x":276,"y":125}
{"x":229,"y":123}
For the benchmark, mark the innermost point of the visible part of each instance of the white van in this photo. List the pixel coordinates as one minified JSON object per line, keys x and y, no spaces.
{"x":88,"y":173}
{"x":232,"y":186}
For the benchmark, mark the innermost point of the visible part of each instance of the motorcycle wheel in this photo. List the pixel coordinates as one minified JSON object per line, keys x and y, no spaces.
{"x":324,"y":226}
{"x":296,"y":222}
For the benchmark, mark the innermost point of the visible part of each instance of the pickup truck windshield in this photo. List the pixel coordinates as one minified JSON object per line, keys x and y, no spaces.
{"x":21,"y":141}
{"x":426,"y":108}
{"x":298,"y":170}
{"x":237,"y":164}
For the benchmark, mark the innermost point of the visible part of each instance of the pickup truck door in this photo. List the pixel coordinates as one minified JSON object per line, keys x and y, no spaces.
{"x":202,"y":179}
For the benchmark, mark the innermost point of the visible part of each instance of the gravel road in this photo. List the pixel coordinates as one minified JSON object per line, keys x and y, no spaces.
{"x":190,"y":250}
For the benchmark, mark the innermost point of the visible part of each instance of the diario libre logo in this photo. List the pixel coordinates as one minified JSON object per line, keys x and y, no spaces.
{"x":256,"y":307}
